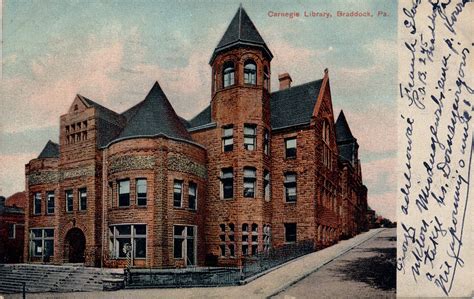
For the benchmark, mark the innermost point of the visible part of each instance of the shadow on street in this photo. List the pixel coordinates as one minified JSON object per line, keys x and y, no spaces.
{"x":378,"y":271}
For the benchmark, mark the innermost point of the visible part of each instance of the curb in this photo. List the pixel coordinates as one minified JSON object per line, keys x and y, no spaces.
{"x":297,"y":279}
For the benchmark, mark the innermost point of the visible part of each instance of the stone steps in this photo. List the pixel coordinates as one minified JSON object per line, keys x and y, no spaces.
{"x":47,"y":278}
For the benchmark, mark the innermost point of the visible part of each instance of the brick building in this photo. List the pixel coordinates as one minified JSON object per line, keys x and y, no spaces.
{"x":12,"y":220}
{"x":254,"y":170}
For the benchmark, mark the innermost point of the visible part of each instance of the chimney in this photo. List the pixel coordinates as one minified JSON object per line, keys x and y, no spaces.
{"x":285,"y":81}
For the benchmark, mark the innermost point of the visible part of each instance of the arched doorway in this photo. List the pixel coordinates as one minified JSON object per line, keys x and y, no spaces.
{"x":74,"y":246}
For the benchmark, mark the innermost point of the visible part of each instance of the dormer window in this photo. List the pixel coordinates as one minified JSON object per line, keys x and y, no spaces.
{"x":250,"y":72}
{"x":229,"y":74}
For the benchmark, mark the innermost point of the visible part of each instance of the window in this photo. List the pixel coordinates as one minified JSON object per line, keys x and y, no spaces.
{"x":124,"y":193}
{"x":83,"y":199}
{"x":228,"y":138}
{"x":37,"y":203}
{"x":245,"y":239}
{"x":250,"y":73}
{"x":267,"y":238}
{"x":50,"y":202}
{"x":266,"y":185}
{"x":141,"y":192}
{"x":222,"y":239}
{"x":69,"y":201}
{"x":192,"y":196}
{"x":132,"y":236}
{"x":266,"y":142}
{"x":249,"y":182}
{"x":250,"y":132}
{"x":42,"y":242}
{"x":177,"y":194}
{"x":290,"y":187}
{"x":11,"y":230}
{"x":290,"y":232}
{"x":227,"y":183}
{"x":232,"y":250}
{"x":266,"y":78}
{"x":229,"y":74}
{"x":327,"y":161}
{"x":290,"y":147}
{"x":182,"y":234}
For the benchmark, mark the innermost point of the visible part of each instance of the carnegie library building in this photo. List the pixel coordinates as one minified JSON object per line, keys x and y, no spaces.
{"x":254,"y":171}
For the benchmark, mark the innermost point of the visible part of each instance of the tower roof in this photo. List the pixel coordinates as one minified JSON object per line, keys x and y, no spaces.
{"x":241,"y":31}
{"x":154,"y":116}
{"x":346,"y":142}
{"x":343,"y":132}
{"x":50,"y":150}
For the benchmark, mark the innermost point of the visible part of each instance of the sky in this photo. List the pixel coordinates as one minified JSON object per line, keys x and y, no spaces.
{"x":113,"y":52}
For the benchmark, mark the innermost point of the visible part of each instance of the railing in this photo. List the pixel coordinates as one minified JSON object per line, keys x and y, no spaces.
{"x":274,"y":257}
{"x":185,"y":277}
{"x":217,"y":276}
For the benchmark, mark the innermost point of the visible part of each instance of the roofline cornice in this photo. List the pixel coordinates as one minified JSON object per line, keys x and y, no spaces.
{"x":152,"y":136}
{"x":241,"y":42}
{"x":203,"y":127}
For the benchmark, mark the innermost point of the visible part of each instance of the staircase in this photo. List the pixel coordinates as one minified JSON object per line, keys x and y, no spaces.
{"x":49,"y":278}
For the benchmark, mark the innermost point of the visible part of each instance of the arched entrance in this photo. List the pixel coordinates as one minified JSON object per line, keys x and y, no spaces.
{"x":74,"y":246}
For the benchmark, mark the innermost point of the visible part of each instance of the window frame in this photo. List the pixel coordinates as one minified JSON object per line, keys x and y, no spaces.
{"x":250,"y":179}
{"x":48,"y":197}
{"x":37,"y":205}
{"x":114,"y":245}
{"x":250,"y":74}
{"x":225,"y":138}
{"x":266,"y":185}
{"x":43,"y":238}
{"x":289,"y":154}
{"x":252,"y":136}
{"x":184,"y":237}
{"x":125,"y":195}
{"x":228,"y":74}
{"x":295,"y":232}
{"x":290,"y":184}
{"x":11,"y":228}
{"x":69,"y":195}
{"x":229,"y":180}
{"x":181,"y":185}
{"x":139,"y":196}
{"x":266,"y":78}
{"x":191,"y":186}
{"x":80,"y":198}
{"x":266,"y":142}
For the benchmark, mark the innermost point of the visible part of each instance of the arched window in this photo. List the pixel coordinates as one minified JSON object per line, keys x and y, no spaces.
{"x":266,"y":78}
{"x":250,"y":72}
{"x":229,"y":74}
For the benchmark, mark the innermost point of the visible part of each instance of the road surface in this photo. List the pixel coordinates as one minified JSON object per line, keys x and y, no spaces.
{"x":366,"y":271}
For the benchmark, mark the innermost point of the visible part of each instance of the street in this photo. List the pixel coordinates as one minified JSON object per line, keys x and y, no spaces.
{"x":361,"y":267}
{"x":366,"y":271}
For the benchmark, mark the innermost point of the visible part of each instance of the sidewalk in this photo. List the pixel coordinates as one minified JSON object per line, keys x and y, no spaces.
{"x":264,"y":286}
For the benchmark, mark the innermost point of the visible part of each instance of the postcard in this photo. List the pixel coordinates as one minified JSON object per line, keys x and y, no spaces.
{"x":309,"y":149}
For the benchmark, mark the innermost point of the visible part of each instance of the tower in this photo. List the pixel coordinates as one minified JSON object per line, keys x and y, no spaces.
{"x":239,"y":208}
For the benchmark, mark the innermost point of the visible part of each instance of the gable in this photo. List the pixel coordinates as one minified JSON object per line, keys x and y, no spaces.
{"x":78,"y":105}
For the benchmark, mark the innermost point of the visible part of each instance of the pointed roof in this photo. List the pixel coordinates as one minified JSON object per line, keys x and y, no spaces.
{"x":343,"y":132}
{"x":241,"y":31}
{"x":50,"y":150}
{"x":346,"y":142}
{"x":154,"y":116}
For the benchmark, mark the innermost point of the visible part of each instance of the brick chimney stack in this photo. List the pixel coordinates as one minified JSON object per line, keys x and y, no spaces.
{"x":285,"y":81}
